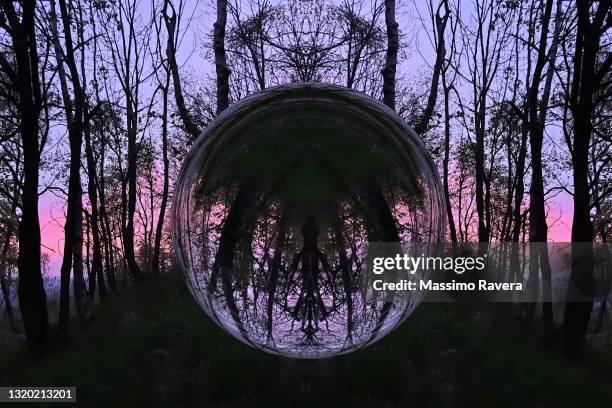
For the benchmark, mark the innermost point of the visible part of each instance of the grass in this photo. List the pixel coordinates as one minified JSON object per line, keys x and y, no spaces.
{"x":153,"y":346}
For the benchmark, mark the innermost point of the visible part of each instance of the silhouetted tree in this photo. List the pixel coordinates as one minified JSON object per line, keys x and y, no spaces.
{"x":593,"y":20}
{"x":19,"y":24}
{"x":388,"y":72}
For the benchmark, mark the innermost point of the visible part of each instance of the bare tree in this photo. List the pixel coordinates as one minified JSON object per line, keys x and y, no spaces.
{"x":124,"y":34}
{"x":96,"y":278}
{"x":587,"y":78}
{"x":74,"y":111}
{"x":221,"y":67}
{"x":484,"y":41}
{"x":440,"y":19}
{"x":19,"y":23}
{"x":388,"y":72}
{"x":163,"y":82}
{"x":538,"y":106}
{"x":449,"y":76}
{"x":172,"y":20}
{"x":247,"y":45}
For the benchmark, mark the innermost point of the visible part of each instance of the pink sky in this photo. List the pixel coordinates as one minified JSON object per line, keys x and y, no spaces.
{"x":51,"y":214}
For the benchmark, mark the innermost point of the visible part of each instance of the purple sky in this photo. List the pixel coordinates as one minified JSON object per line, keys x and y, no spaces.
{"x":190,"y":57}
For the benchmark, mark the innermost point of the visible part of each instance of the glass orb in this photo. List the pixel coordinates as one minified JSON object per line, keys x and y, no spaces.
{"x":276,"y":205}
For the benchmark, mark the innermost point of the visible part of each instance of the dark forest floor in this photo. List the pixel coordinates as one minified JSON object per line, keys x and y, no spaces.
{"x":152,"y":346}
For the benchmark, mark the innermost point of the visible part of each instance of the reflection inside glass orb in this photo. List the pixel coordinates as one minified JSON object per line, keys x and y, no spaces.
{"x":276,"y":205}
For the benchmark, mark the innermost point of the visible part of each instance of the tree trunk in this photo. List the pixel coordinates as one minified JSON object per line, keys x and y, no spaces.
{"x":388,"y":72}
{"x":162,"y":208}
{"x":105,"y":224}
{"x":4,"y":284}
{"x":31,"y":291}
{"x":538,"y":228}
{"x":222,"y":70}
{"x":170,"y":22}
{"x":483,"y":228}
{"x":96,"y":263}
{"x":65,"y":269}
{"x":445,"y":162}
{"x":91,"y":279}
{"x":81,"y":296}
{"x":579,"y":297}
{"x":73,"y":241}
{"x":128,"y":230}
{"x":440,"y":21}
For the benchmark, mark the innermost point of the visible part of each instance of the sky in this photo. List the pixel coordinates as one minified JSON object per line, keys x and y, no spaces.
{"x":189,"y":56}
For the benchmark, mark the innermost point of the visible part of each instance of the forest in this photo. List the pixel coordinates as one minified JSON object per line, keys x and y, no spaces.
{"x":102,"y":99}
